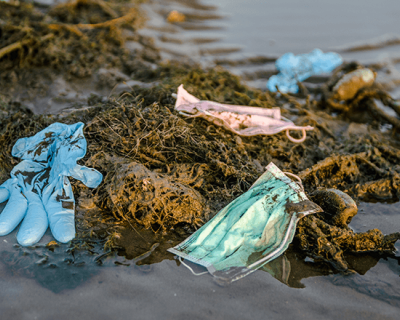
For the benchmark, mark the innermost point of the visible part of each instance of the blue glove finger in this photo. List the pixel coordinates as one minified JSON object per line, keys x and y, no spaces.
{"x":4,"y":193}
{"x":14,"y":211}
{"x":89,"y":176}
{"x":35,"y":222}
{"x":60,"y":206}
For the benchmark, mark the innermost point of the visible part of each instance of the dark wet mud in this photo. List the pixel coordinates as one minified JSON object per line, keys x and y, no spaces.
{"x":166,"y":175}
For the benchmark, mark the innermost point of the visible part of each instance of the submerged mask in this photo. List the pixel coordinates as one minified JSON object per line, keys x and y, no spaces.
{"x":242,"y":120}
{"x":252,"y":230}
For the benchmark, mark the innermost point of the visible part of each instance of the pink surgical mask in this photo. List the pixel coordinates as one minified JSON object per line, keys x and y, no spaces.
{"x":242,"y":120}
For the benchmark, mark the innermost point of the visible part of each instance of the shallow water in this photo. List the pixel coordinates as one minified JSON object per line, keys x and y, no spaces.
{"x":47,"y":283}
{"x":59,"y":283}
{"x":237,"y":30}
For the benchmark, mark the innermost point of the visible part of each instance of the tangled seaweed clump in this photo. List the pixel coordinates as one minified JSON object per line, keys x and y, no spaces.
{"x":163,"y":172}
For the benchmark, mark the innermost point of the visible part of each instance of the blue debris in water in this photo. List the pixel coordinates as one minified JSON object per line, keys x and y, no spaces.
{"x":295,"y":69}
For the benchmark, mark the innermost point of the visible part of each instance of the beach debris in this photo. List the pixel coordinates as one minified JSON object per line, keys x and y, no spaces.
{"x":252,"y":230}
{"x":348,"y":86}
{"x":176,"y":17}
{"x":293,"y":69}
{"x":241,"y":120}
{"x":39,"y":190}
{"x":355,"y":89}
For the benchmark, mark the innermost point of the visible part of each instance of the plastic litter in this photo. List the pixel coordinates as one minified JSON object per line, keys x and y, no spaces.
{"x":252,"y":230}
{"x":293,"y":69}
{"x":39,"y":191}
{"x":242,"y":120}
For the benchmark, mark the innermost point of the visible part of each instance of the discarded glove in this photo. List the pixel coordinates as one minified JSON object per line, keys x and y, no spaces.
{"x":242,"y":120}
{"x":252,"y":230}
{"x":39,"y":190}
{"x":295,"y":69}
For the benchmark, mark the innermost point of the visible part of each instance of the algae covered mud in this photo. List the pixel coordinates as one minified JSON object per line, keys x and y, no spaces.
{"x":165,"y":175}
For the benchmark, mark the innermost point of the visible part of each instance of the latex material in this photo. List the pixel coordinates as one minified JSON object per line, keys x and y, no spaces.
{"x":242,"y":120}
{"x":252,"y":230}
{"x":39,"y":191}
{"x":293,"y":69}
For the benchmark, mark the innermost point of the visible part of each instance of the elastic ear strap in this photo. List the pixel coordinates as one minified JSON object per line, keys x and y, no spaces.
{"x":296,"y":177}
{"x":294,"y":139}
{"x":196,"y":274}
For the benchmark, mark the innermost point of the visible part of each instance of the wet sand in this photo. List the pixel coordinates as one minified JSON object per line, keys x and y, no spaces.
{"x":33,"y":289}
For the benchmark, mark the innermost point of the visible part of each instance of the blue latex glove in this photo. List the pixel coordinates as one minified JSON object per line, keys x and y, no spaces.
{"x":295,"y":69}
{"x":39,"y":190}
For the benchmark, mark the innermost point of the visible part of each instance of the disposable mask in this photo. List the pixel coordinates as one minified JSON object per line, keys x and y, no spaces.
{"x":242,"y":120}
{"x":252,"y":230}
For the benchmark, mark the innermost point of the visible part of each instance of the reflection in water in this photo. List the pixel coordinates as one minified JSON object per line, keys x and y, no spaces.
{"x":144,"y":248}
{"x":381,"y":282}
{"x":67,"y":266}
{"x":56,"y":268}
{"x":64,"y":267}
{"x":371,"y":269}
{"x":292,"y":267}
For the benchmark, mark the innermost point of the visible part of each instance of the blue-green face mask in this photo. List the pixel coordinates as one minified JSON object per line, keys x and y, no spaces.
{"x":252,"y":230}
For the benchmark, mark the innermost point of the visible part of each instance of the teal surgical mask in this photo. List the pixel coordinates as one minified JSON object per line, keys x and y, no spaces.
{"x":252,"y":230}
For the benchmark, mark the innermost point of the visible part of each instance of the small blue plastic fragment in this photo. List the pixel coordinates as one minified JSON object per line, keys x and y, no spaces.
{"x":293,"y":69}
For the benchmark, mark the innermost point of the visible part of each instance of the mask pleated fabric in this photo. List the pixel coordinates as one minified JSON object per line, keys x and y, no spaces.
{"x":245,"y":121}
{"x":252,"y":230}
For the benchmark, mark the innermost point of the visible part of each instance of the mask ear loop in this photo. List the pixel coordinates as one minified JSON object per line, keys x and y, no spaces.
{"x":196,"y":274}
{"x":295,"y":177}
{"x":302,"y":139}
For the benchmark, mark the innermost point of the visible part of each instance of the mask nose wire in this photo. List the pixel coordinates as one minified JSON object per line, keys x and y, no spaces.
{"x":196,"y":274}
{"x":295,"y":177}
{"x":302,"y":139}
